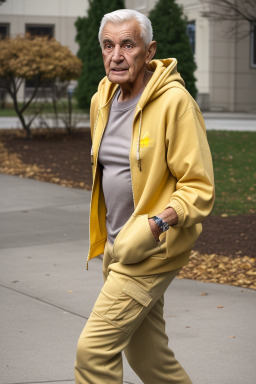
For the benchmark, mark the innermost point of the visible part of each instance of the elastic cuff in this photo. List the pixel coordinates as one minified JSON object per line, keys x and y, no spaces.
{"x":179,"y":210}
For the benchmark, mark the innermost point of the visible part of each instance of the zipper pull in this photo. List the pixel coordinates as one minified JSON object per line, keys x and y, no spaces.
{"x":139,"y":164}
{"x":91,"y":155}
{"x":139,"y":159}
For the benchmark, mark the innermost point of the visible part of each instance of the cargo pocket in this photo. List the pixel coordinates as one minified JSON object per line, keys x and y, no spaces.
{"x":127,"y":311}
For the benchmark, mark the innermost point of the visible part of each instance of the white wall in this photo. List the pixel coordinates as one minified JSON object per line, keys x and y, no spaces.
{"x":62,"y":14}
{"x":68,"y":8}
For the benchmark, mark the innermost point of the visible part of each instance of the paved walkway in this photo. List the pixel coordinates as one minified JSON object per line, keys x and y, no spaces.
{"x":46,"y":296}
{"x":230,"y":121}
{"x":213,"y":121}
{"x":14,"y":123}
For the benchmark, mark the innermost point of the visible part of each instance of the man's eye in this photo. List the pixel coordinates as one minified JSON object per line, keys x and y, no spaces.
{"x":108,"y":46}
{"x":128,"y":46}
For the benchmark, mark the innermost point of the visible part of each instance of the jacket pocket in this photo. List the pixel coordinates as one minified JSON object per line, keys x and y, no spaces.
{"x":135,"y":242}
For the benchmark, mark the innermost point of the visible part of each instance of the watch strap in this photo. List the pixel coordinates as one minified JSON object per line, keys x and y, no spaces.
{"x":161,"y":224}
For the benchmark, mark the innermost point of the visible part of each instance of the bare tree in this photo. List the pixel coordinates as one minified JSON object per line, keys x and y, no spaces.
{"x":231,"y":10}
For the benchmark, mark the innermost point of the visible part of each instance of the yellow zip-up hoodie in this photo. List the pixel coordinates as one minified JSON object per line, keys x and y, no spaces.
{"x":171,"y":166}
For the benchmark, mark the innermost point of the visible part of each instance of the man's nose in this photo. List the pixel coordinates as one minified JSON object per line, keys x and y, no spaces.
{"x":117,"y":54}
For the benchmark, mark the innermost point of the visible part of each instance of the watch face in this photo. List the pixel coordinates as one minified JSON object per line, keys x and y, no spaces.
{"x":166,"y":226}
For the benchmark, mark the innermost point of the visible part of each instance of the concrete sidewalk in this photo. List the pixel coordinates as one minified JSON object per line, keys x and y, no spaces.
{"x":213,"y":121}
{"x":230,"y":121}
{"x":47,"y":295}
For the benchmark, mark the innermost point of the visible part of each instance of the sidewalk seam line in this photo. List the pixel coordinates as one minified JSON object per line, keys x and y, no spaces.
{"x":43,"y":301}
{"x":43,"y":382}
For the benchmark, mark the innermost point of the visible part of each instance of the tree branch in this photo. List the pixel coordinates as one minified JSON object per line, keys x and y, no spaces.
{"x":19,"y":82}
{"x":33,"y":117}
{"x":27,"y":104}
{"x":229,"y":10}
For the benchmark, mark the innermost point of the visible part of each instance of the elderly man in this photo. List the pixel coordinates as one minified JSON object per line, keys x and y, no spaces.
{"x":152,"y":186}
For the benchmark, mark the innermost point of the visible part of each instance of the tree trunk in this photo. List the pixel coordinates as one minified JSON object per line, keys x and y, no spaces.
{"x":13,"y":91}
{"x":25,"y":126}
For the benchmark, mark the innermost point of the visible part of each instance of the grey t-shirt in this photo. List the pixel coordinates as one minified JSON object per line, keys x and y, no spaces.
{"x":114,"y":159}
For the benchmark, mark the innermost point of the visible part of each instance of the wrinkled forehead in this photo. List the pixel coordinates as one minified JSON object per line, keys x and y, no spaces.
{"x":129,"y":29}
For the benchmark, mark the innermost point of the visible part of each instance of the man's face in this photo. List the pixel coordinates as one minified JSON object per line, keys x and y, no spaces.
{"x":124,"y":53}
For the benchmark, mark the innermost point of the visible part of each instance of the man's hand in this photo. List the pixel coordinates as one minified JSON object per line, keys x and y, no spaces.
{"x":169,"y":216}
{"x":156,"y":230}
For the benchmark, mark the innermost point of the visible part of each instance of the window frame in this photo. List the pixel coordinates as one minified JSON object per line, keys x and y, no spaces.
{"x":253,"y":46}
{"x":7,"y":25}
{"x":38,"y":25}
{"x":29,"y":83}
{"x":192,"y":44}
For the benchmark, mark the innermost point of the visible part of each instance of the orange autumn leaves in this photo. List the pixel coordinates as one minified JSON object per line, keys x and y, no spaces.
{"x":26,"y":58}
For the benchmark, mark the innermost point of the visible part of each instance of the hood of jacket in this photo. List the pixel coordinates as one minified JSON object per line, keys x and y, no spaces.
{"x":165,"y":76}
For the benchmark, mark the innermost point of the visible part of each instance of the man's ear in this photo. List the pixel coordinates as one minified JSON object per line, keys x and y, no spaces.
{"x":151,"y":50}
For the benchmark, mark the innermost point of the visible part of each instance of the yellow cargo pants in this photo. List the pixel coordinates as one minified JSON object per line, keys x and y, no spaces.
{"x":128,"y":316}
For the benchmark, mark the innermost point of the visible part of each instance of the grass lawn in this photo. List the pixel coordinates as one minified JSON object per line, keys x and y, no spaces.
{"x":234,"y":160}
{"x":8,"y":112}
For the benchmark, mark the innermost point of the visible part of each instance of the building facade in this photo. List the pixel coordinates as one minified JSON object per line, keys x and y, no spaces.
{"x":225,"y":54}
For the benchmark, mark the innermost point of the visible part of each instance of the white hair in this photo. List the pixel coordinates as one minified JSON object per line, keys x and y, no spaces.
{"x":122,"y":15}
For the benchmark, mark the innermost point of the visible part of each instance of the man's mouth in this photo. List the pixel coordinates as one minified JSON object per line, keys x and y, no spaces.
{"x":119,"y":69}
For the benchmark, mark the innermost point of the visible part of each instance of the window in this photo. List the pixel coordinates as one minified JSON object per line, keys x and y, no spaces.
{"x":191,"y":32}
{"x":253,"y":46}
{"x":39,"y":30}
{"x":4,"y":30}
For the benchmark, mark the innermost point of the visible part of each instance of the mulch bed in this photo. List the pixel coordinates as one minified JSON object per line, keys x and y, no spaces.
{"x":56,"y":156}
{"x":53,"y":156}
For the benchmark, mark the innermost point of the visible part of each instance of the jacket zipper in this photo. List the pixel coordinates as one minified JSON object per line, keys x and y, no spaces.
{"x":130,"y":154}
{"x":96,"y":166}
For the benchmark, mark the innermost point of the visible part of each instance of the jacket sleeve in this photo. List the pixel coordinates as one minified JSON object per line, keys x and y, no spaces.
{"x":189,"y":160}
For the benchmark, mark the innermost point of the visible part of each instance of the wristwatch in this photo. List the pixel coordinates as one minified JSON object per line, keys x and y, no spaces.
{"x":161,"y":224}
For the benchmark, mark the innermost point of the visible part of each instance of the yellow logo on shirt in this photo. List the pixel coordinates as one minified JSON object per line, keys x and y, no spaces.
{"x":146,"y":140}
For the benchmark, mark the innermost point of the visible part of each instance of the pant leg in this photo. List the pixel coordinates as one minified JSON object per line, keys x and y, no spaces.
{"x":149,"y":355}
{"x":122,"y":305}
